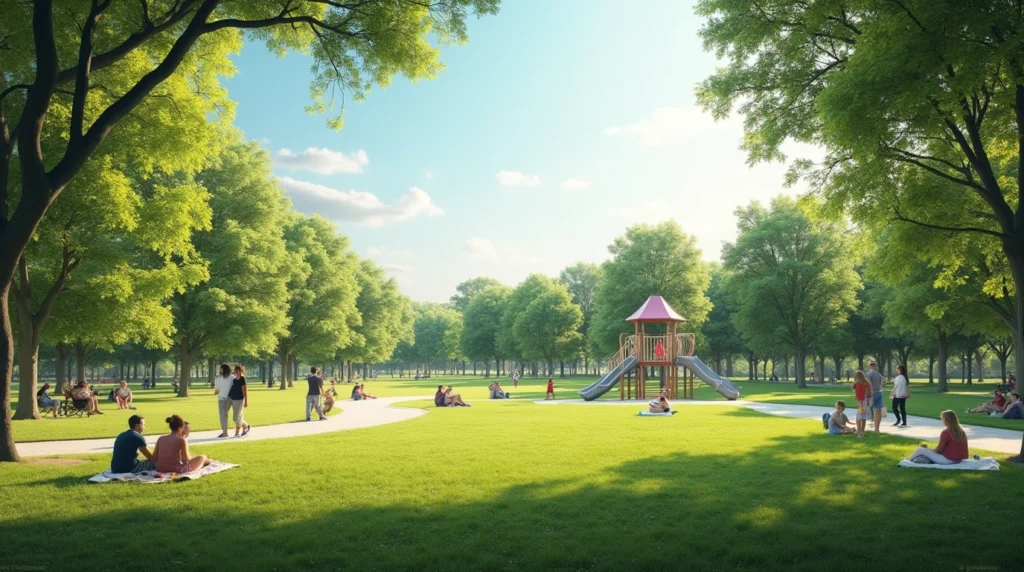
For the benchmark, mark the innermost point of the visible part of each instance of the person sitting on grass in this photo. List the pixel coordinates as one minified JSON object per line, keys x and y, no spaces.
{"x":952,"y":447}
{"x":356,"y":394}
{"x":171,"y":454}
{"x":660,"y":405}
{"x":123,"y":395}
{"x":81,"y":392}
{"x":1014,"y":409}
{"x":127,"y":447}
{"x":496,"y":391}
{"x":998,"y":404}
{"x":838,"y":422}
{"x":46,"y":402}
{"x":362,"y":392}
{"x":445,"y":398}
{"x":328,"y":401}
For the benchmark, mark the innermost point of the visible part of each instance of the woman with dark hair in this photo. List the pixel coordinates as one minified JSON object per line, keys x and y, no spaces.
{"x":900,"y":393}
{"x":239,"y":396}
{"x":171,"y":454}
{"x":82,"y":392}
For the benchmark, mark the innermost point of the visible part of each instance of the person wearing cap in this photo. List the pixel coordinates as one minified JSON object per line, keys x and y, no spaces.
{"x":877,"y":405}
{"x":127,"y":447}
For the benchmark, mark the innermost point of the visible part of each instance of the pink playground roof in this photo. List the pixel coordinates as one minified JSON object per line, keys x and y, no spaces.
{"x":655,"y":309}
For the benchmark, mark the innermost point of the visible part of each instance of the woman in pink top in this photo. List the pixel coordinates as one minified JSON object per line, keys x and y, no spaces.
{"x":952,"y":447}
{"x":171,"y":453}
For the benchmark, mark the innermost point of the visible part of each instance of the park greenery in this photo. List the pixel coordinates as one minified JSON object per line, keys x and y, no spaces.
{"x":138,"y":226}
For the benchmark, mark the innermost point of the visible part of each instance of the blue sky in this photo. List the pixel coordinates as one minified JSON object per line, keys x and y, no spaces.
{"x":560,"y":124}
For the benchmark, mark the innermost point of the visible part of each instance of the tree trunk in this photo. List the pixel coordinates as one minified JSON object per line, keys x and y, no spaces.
{"x":970,"y":366}
{"x":187,"y":358}
{"x":728,"y":366}
{"x":942,"y":341}
{"x":8,"y":451}
{"x":285,"y":371}
{"x":931,"y":370}
{"x":80,"y":361}
{"x":62,"y":364}
{"x":28,"y":366}
{"x":801,"y":363}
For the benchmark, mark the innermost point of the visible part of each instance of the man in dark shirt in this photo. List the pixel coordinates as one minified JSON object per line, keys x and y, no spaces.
{"x":127,"y":447}
{"x":316,"y":389}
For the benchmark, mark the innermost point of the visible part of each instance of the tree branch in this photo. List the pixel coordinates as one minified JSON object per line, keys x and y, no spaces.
{"x":82,"y":73}
{"x":899,"y":216}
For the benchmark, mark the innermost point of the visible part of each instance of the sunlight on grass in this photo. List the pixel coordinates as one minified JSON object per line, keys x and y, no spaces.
{"x":761,"y":516}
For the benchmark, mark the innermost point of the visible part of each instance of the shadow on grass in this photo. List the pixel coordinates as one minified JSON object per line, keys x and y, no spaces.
{"x":798,"y":501}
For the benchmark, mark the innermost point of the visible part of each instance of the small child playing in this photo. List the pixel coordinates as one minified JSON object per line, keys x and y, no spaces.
{"x":837,"y":422}
{"x":551,"y":389}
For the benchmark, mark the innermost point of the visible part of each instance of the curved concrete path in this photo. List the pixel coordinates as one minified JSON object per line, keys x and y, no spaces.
{"x":918,"y":428}
{"x":355,"y":415}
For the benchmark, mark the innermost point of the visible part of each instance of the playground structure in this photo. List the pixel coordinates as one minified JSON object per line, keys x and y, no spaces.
{"x":669,"y":352}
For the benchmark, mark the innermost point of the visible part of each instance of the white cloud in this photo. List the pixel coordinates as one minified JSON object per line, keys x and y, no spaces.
{"x":480,"y":249}
{"x":388,"y":252}
{"x":321,"y":161}
{"x":516,"y":179}
{"x":574,"y":185}
{"x":664,"y":125}
{"x":357,"y":206}
{"x":429,"y":174}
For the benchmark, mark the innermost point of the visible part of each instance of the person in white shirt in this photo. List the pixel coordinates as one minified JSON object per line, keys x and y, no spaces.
{"x":900,"y":393}
{"x":221,"y":387}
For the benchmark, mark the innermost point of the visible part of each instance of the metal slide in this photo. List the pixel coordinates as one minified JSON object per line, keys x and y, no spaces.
{"x":608,"y":380}
{"x":708,"y":376}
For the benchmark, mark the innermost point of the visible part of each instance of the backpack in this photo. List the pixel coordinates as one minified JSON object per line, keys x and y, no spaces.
{"x":825,"y":418}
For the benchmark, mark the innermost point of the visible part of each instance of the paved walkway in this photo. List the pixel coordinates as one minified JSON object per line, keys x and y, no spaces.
{"x":355,"y":415}
{"x":918,"y":428}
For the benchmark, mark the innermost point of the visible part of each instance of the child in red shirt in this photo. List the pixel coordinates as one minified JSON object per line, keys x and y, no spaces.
{"x":551,"y":389}
{"x":862,"y":389}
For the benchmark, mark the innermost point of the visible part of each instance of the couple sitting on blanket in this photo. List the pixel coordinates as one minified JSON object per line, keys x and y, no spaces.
{"x":170,"y":455}
{"x":952,"y":447}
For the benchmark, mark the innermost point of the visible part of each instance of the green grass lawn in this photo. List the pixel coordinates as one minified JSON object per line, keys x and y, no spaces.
{"x":272,"y":406}
{"x":514,"y":485}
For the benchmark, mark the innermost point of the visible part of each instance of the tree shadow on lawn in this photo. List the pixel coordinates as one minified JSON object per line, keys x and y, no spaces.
{"x":812,"y":501}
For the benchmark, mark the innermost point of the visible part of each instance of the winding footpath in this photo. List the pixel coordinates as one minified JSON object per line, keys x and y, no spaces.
{"x":355,"y":415}
{"x":918,"y":428}
{"x":374,"y":412}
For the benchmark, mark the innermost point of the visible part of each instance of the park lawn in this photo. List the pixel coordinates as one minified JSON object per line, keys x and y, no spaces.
{"x":514,"y":485}
{"x":266,"y":407}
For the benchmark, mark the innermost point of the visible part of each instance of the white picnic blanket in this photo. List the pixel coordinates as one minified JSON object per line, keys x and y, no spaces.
{"x":151,"y":477}
{"x":649,"y":414}
{"x":982,"y":464}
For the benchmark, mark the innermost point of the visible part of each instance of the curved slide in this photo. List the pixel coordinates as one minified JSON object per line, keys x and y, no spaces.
{"x":607,"y":381}
{"x":708,"y":376}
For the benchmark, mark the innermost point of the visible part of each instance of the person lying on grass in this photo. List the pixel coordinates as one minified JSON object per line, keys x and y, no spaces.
{"x":81,"y":392}
{"x":660,"y":405}
{"x":127,"y":447}
{"x":952,"y":447}
{"x":171,"y":454}
{"x":998,"y":403}
{"x":838,"y":422}
{"x":123,"y":395}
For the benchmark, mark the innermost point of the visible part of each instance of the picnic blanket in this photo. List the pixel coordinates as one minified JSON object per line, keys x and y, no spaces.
{"x":151,"y":477}
{"x":982,"y":464}
{"x":649,"y":414}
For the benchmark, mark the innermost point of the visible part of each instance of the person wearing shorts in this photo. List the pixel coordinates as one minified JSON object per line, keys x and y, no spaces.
{"x":874,"y":377}
{"x":837,"y":421}
{"x":862,"y":389}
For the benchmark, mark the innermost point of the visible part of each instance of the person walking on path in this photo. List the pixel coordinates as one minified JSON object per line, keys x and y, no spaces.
{"x":313,"y":396}
{"x":221,"y":388}
{"x":239,"y":395}
{"x":877,"y":406}
{"x":862,"y":389}
{"x":900,"y":393}
{"x":551,"y":389}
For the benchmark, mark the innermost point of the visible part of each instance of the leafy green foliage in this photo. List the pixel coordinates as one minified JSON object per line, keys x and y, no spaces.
{"x":548,"y":329}
{"x":482,"y":322}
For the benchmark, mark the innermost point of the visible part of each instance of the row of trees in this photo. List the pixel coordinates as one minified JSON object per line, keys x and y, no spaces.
{"x":251,"y":279}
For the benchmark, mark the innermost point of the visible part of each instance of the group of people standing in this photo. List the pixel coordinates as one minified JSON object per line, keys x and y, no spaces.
{"x":868,"y":390}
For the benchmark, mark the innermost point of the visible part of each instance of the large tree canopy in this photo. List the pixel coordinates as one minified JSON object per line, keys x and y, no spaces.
{"x":793,"y":277}
{"x":647,"y":261}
